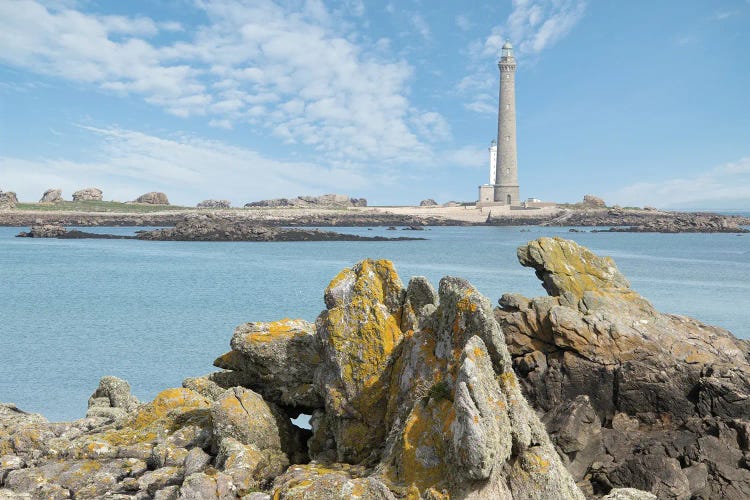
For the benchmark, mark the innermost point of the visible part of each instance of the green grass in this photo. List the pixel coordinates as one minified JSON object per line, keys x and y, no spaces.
{"x":97,"y":206}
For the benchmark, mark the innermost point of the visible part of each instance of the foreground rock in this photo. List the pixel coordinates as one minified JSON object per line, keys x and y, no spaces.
{"x":631,"y":397}
{"x":214,"y":204}
{"x":210,"y":227}
{"x":326,"y":200}
{"x":412,"y":395}
{"x":88,"y":194}
{"x":8,"y":200}
{"x":52,"y":196}
{"x":153,"y":198}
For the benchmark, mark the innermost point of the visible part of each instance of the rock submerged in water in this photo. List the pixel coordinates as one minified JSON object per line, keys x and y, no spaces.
{"x":88,"y":194}
{"x":632,"y":397}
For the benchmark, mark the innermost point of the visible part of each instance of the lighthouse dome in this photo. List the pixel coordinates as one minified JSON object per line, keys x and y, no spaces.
{"x":507,"y":45}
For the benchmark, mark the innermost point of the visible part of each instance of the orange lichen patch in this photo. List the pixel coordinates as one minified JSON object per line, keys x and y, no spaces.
{"x":169,"y":411}
{"x":167,"y":401}
{"x":534,"y":463}
{"x":426,"y":434}
{"x":508,"y":379}
{"x":274,"y":330}
{"x":466,"y":304}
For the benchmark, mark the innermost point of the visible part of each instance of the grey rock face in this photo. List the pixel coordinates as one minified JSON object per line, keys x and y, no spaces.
{"x":51,"y":196}
{"x":88,"y":194}
{"x":662,"y":386}
{"x":112,"y":399}
{"x":429,"y":202}
{"x":326,"y":200}
{"x":153,"y":198}
{"x":214,"y":204}
{"x":8,"y":200}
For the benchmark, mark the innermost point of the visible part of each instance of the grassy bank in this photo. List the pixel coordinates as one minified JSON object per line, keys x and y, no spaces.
{"x":98,"y":206}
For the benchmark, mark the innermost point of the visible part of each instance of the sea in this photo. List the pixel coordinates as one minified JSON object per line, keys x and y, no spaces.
{"x":154,"y":313}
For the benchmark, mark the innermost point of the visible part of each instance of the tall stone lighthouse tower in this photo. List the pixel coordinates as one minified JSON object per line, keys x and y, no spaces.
{"x":506,"y":171}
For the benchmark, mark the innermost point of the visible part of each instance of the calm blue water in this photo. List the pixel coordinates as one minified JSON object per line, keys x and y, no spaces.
{"x":154,"y":313}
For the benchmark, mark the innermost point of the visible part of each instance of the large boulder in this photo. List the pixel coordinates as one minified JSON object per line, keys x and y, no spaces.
{"x":662,"y":386}
{"x":52,"y":196}
{"x":278,"y":360}
{"x":88,"y":194}
{"x":8,"y":200}
{"x":429,"y":202}
{"x":214,"y":204}
{"x":112,"y":399}
{"x":153,"y":198}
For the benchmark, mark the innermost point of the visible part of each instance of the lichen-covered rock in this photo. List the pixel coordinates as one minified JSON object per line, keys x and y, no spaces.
{"x":460,"y":423}
{"x":153,"y":198}
{"x":357,"y":334}
{"x":52,"y":196}
{"x":278,"y":360}
{"x":333,"y":482}
{"x":655,"y":381}
{"x":88,"y":194}
{"x":243,"y":415}
{"x":249,"y":467}
{"x":112,"y":399}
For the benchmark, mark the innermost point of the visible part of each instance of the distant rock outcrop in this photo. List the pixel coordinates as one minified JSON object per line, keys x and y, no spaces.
{"x":214,"y":204}
{"x":52,"y":196}
{"x":326,"y":201}
{"x":591,"y":201}
{"x":153,"y":198}
{"x":632,"y":397}
{"x":88,"y":194}
{"x":429,"y":202}
{"x":8,"y":200}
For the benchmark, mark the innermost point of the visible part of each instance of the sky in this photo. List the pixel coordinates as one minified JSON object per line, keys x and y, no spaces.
{"x":639,"y":102}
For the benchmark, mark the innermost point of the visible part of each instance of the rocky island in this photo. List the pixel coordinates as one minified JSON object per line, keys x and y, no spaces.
{"x":207,"y":227}
{"x":418,"y":393}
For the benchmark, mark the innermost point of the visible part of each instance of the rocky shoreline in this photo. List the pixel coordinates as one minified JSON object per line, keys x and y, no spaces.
{"x":631,"y":220}
{"x":208,"y":227}
{"x":421,"y":393}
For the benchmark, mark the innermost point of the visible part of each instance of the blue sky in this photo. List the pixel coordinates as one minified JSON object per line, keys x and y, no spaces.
{"x":643,"y":103}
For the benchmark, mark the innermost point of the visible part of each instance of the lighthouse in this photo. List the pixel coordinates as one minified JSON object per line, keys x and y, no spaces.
{"x":503,"y":187}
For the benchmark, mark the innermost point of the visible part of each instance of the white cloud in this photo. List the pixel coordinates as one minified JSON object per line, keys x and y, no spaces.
{"x":432,"y":126}
{"x":726,"y":184}
{"x":128,"y":163}
{"x":244,"y":66}
{"x":532,"y":26}
{"x":421,"y":26}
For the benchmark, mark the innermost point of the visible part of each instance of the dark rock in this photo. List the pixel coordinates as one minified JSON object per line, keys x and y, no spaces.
{"x":669,"y":392}
{"x":429,"y":202}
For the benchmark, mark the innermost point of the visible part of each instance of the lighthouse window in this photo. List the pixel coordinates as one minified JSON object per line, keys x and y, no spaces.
{"x":507,"y":170}
{"x":507,"y":106}
{"x":507,"y":137}
{"x":507,"y":76}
